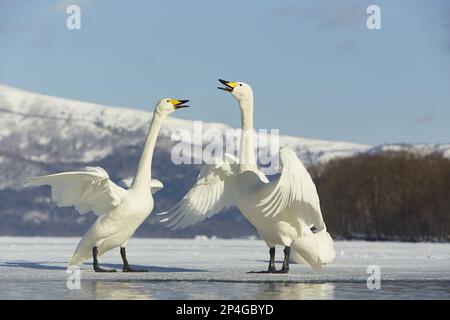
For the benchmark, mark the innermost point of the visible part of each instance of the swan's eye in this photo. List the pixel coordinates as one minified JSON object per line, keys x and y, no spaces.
{"x":167,"y":100}
{"x":240,"y":84}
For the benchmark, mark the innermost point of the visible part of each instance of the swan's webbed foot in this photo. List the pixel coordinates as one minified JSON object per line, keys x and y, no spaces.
{"x":265,"y":271}
{"x":271,"y":268}
{"x":126,"y":266}
{"x":98,"y":269}
{"x":95,"y":262}
{"x":282,"y":270}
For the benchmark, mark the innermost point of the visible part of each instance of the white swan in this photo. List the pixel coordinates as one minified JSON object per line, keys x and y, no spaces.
{"x":120,"y":211}
{"x":284,"y":211}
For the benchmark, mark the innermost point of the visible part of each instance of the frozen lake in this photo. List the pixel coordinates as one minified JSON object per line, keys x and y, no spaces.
{"x":35,"y":268}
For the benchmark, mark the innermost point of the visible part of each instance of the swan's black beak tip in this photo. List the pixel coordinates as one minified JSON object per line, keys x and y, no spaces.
{"x":179,"y":104}
{"x":227,"y":85}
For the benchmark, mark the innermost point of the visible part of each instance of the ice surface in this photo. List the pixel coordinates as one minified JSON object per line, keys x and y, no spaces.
{"x":180,"y":268}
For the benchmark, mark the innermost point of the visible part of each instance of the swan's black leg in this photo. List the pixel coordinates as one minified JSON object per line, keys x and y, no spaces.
{"x":126,"y":266}
{"x":271,"y":268}
{"x":285,"y":268}
{"x":95,"y":263}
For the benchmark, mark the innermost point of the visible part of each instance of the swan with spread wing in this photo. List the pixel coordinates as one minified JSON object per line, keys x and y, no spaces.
{"x":285,"y":211}
{"x":120,"y":210}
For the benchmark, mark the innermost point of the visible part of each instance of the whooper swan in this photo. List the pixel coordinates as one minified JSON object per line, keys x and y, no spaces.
{"x":120,"y":211}
{"x":285,"y":211}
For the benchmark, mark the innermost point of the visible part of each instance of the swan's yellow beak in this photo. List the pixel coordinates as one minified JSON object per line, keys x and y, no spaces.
{"x":229,"y":86}
{"x":178,"y":104}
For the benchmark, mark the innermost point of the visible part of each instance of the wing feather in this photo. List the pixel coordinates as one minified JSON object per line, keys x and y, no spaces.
{"x":293,"y":188}
{"x":211,"y":193}
{"x":89,"y":190}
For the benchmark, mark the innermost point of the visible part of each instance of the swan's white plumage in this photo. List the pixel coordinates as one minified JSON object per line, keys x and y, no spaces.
{"x":283,"y":211}
{"x":293,"y":188}
{"x":210,"y":194}
{"x":120,"y":210}
{"x":155,"y":184}
{"x":314,"y":248}
{"x":89,"y":190}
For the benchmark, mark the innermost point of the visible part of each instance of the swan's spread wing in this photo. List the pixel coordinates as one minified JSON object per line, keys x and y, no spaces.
{"x":89,"y":190}
{"x":155,"y":184}
{"x":209,"y":195}
{"x":293,"y":189}
{"x":125,"y":183}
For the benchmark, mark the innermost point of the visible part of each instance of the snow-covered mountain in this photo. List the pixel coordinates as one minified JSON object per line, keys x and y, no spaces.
{"x":421,"y":149}
{"x":37,"y":130}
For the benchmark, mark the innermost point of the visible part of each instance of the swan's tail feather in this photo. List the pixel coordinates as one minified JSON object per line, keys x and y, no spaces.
{"x":81,"y":254}
{"x":315,"y":249}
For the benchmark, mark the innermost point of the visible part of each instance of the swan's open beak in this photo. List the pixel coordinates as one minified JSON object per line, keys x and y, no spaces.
{"x":178,"y":104}
{"x":229,"y":86}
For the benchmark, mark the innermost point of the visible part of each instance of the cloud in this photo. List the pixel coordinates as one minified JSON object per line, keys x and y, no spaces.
{"x":32,"y":31}
{"x":444,"y":12}
{"x":327,"y":13}
{"x":13,"y":26}
{"x":426,"y":118}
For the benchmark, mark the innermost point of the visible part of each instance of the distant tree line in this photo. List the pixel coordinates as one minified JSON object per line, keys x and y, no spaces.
{"x":386,"y":196}
{"x":383,"y":196}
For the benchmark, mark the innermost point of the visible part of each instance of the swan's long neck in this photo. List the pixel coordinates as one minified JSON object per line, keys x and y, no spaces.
{"x":144,"y":171}
{"x":247,"y":156}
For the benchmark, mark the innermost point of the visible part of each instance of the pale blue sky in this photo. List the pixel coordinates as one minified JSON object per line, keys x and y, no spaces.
{"x":316,"y":70}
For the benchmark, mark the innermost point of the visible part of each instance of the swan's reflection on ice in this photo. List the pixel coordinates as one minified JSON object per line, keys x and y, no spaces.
{"x":197,"y":290}
{"x":115,"y":290}
{"x":297,"y":291}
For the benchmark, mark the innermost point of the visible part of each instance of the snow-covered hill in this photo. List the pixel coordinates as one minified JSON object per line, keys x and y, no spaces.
{"x":37,"y":130}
